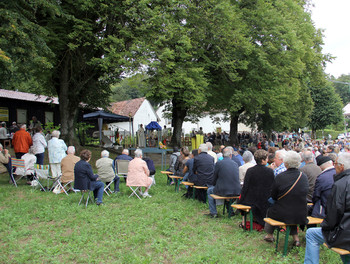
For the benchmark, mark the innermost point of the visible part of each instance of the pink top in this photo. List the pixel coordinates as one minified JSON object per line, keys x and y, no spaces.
{"x":138,"y":173}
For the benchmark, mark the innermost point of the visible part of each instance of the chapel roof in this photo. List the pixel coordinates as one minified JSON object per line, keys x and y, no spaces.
{"x":128,"y":107}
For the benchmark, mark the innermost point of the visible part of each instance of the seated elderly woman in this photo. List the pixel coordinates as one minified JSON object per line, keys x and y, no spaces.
{"x":84,"y":177}
{"x":106,"y":171}
{"x":138,"y":173}
{"x":29,"y":161}
{"x":57,"y":151}
{"x":248,"y":163}
{"x":289,"y":192}
{"x":257,"y":187}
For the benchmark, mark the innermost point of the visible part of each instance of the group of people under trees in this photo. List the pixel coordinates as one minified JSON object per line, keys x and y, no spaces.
{"x":278,"y":183}
{"x":68,"y":167}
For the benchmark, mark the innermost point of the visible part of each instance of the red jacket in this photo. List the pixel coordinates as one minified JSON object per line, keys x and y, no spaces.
{"x":21,"y":141}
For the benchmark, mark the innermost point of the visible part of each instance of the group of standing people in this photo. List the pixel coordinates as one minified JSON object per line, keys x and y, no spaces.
{"x":31,"y":148}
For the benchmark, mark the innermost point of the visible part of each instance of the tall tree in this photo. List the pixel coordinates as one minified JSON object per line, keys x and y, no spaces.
{"x":193,"y":38}
{"x":342,"y":87}
{"x":91,"y":42}
{"x":282,"y":56}
{"x":328,"y":107}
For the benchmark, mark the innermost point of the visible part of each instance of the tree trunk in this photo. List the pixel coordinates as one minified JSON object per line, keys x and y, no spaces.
{"x":234,"y":128}
{"x":313,"y":134}
{"x":68,"y":108}
{"x":178,"y":116}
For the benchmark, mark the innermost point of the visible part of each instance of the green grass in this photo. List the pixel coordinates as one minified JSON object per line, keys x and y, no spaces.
{"x":38,"y":227}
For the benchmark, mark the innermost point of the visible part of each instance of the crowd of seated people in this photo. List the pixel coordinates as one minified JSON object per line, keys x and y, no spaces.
{"x":276,"y":182}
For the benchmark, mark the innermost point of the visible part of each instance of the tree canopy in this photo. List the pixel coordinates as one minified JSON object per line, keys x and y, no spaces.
{"x":251,"y":56}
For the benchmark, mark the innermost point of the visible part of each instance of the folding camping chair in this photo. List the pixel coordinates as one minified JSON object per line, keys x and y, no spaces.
{"x":121,"y":167}
{"x":41,"y":172}
{"x":83,"y":192}
{"x":57,"y":182}
{"x":17,"y":163}
{"x":135,"y":190}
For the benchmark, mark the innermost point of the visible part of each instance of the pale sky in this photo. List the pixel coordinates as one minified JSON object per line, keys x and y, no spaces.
{"x":334,"y":17}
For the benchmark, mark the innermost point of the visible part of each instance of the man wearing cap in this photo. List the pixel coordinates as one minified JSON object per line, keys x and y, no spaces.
{"x":335,"y":229}
{"x":323,"y":186}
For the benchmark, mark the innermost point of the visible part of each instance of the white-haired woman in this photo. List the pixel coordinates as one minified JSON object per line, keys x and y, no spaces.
{"x":289,"y":192}
{"x":138,"y":173}
{"x":57,"y":151}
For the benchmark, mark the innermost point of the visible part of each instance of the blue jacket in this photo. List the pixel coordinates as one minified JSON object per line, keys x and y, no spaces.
{"x":226,"y":178}
{"x":203,"y":169}
{"x":123,"y":157}
{"x":323,"y":186}
{"x":83,"y":175}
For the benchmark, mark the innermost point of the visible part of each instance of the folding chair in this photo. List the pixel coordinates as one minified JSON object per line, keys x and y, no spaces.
{"x":59,"y":183}
{"x":121,"y":167}
{"x":107,"y":189}
{"x":17,"y":163}
{"x":134,"y":190}
{"x":42,"y":172}
{"x":83,"y":192}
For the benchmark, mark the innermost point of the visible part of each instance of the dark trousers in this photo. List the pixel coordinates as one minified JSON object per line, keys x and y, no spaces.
{"x":19,"y":155}
{"x":40,"y":158}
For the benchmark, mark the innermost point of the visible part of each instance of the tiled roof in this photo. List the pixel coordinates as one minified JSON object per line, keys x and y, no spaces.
{"x":27,"y":96}
{"x":127,"y":108}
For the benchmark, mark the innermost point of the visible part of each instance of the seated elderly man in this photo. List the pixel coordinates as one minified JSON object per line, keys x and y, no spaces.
{"x":105,"y":170}
{"x":67,"y":165}
{"x":123,"y":156}
{"x":323,"y":186}
{"x":334,"y":230}
{"x":138,"y":173}
{"x":203,"y":167}
{"x":226,"y":181}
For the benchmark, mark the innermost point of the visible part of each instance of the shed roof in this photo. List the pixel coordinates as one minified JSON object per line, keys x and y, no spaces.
{"x":28,"y":97}
{"x":128,"y":107}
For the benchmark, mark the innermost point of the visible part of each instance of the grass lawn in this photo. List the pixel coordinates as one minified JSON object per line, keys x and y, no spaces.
{"x":38,"y":227}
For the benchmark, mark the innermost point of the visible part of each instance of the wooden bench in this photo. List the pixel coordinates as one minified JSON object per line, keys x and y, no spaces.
{"x":228,"y":200}
{"x":282,"y":225}
{"x":167,"y":173}
{"x":314,"y":220}
{"x":246,"y":209}
{"x":189,"y":184}
{"x":177,"y":180}
{"x":195,"y":188}
{"x":340,"y":251}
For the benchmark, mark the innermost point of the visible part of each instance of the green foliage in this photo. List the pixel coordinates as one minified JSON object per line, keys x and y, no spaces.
{"x":49,"y":127}
{"x":82,"y":129}
{"x":328,"y":107}
{"x":342,"y":87}
{"x":25,"y":58}
{"x":129,"y":88}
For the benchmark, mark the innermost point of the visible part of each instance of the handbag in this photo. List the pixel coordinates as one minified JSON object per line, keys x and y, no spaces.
{"x":279,"y":198}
